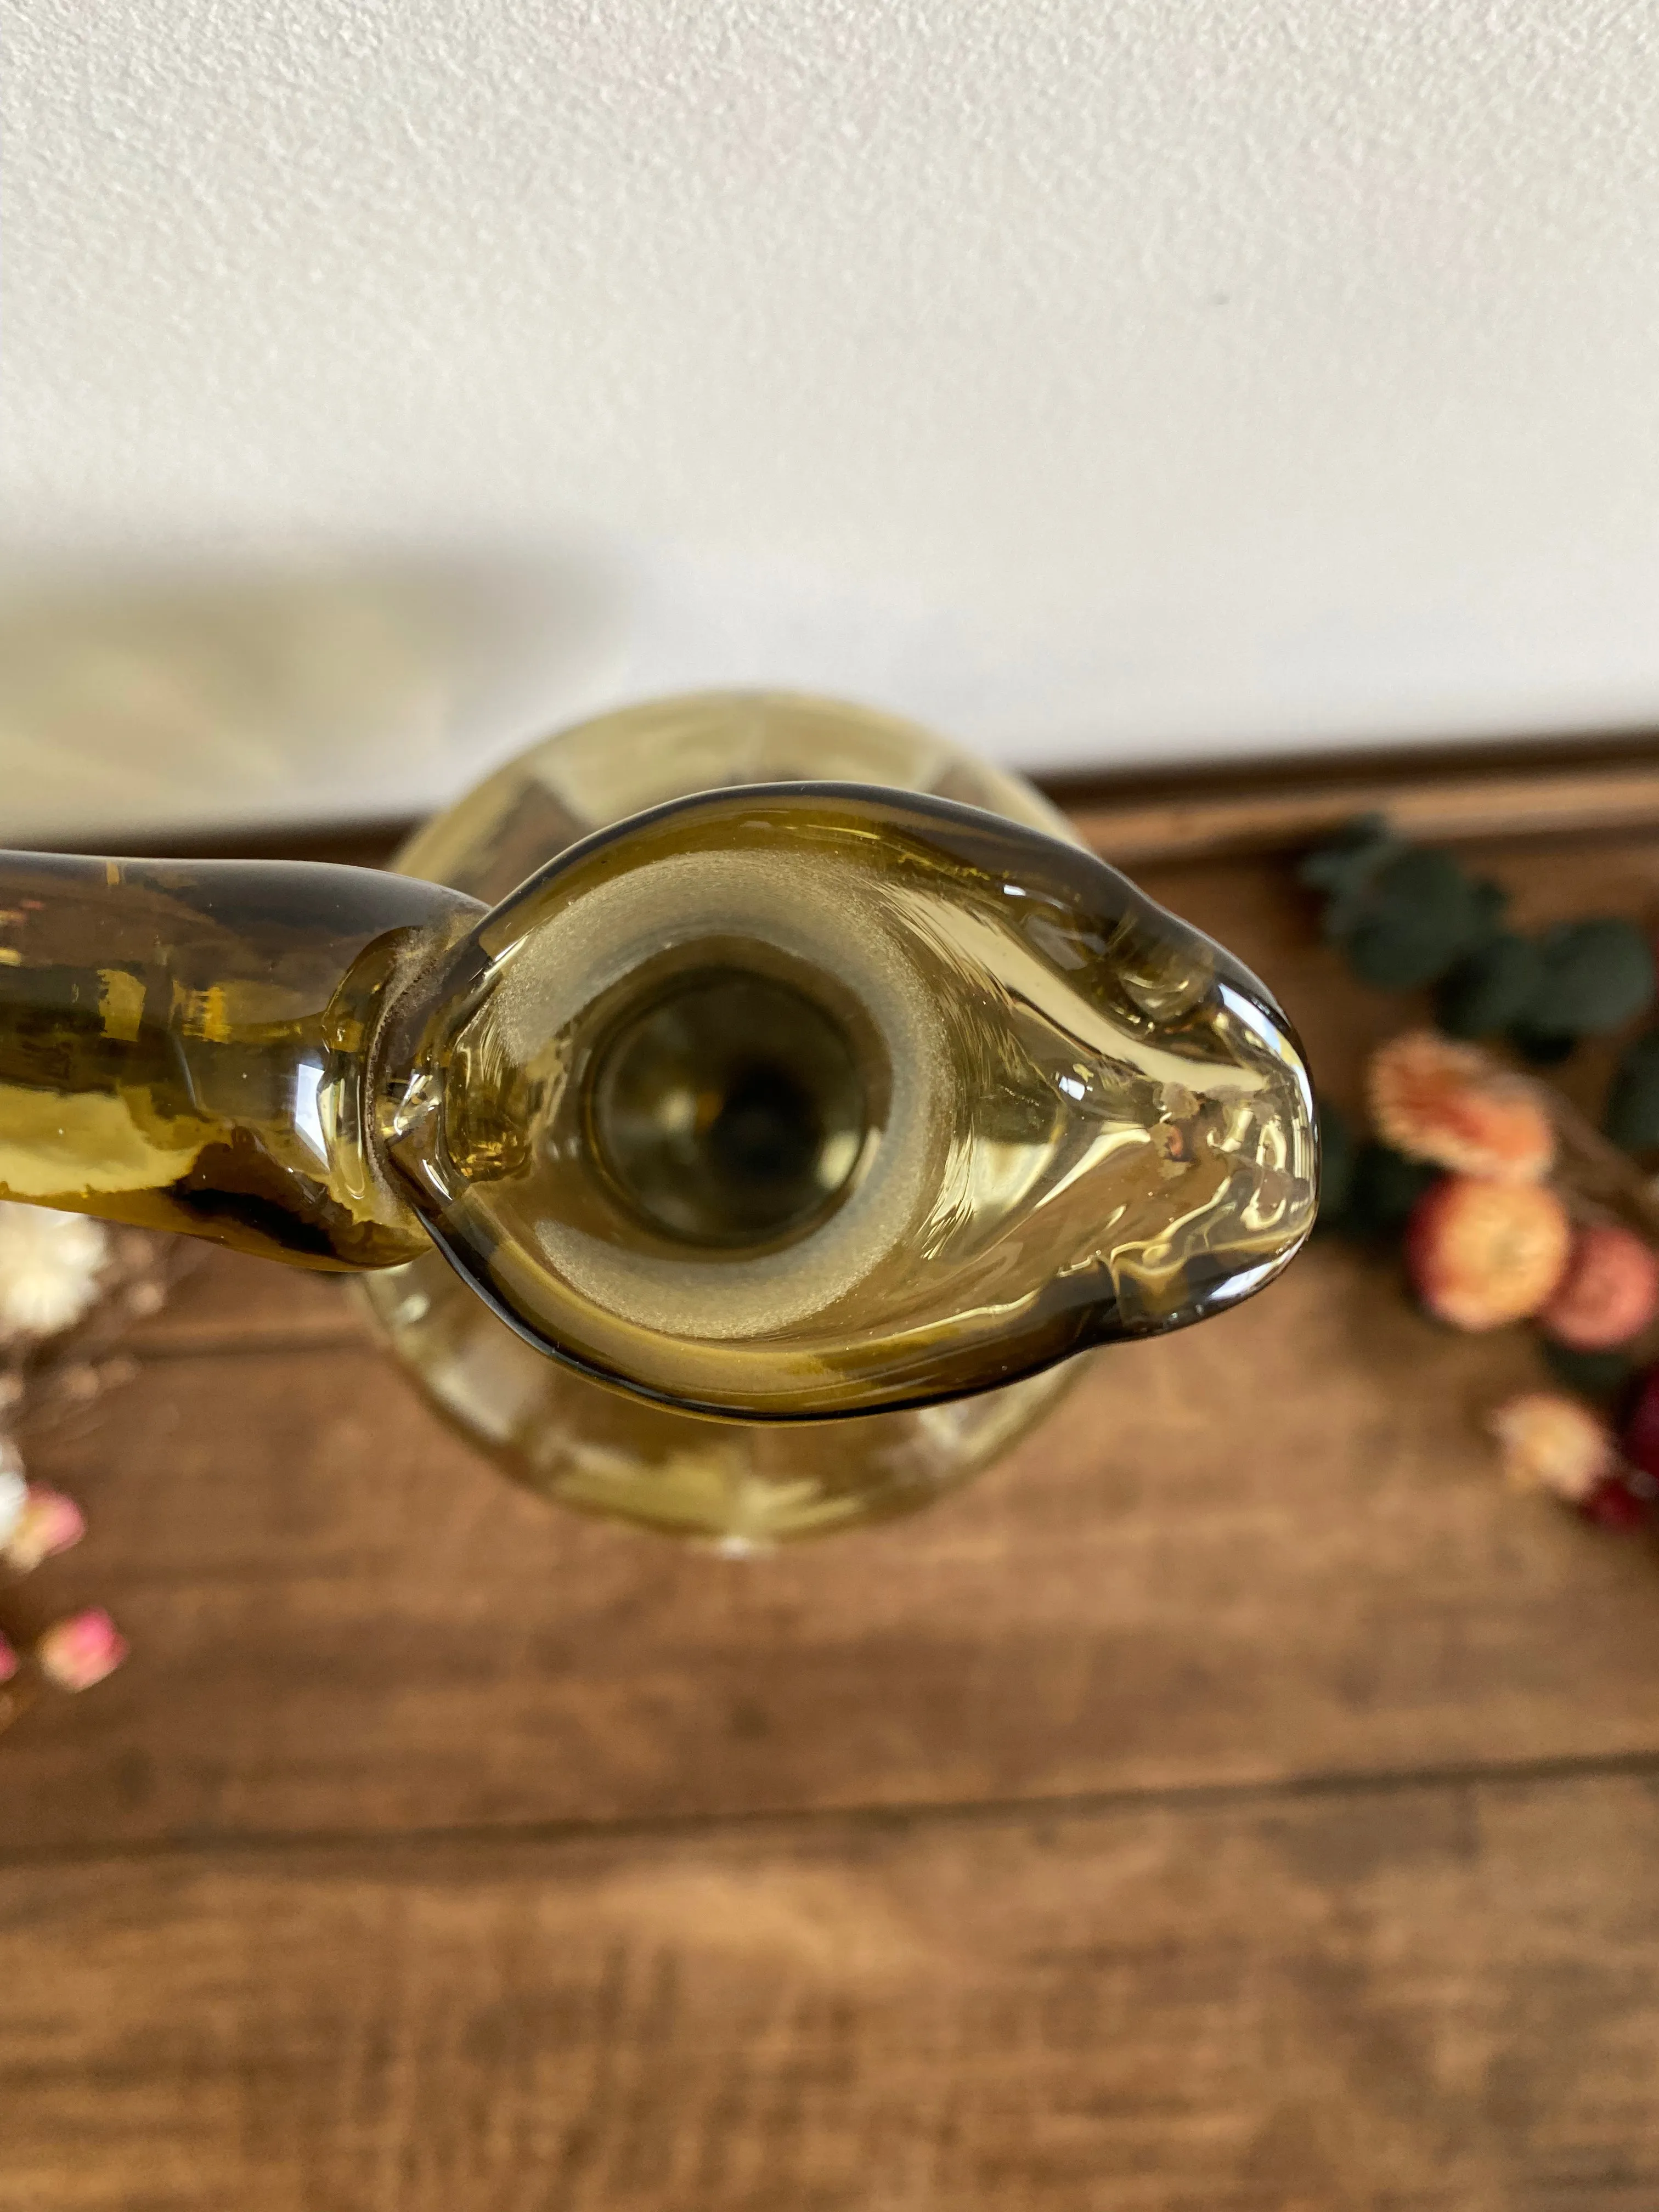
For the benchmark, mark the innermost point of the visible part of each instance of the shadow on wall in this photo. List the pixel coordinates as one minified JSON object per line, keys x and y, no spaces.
{"x":218,"y":697}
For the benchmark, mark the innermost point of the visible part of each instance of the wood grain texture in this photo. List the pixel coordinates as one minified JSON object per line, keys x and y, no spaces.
{"x":1273,"y":1545}
{"x":1236,"y":1802}
{"x":1415,"y":2001}
{"x":1446,"y":793}
{"x":229,"y":1300}
{"x":1568,"y":800}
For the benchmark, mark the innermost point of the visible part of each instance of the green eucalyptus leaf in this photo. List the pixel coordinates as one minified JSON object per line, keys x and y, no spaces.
{"x":1490,"y":988}
{"x":1594,"y":976}
{"x":1336,"y":1165}
{"x":1492,"y":902}
{"x":1633,"y":1110}
{"x":1343,"y":869}
{"x":1383,"y":1187}
{"x":1604,"y":1377}
{"x":1358,"y":849}
{"x":1419,"y":913}
{"x":1541,"y":1047}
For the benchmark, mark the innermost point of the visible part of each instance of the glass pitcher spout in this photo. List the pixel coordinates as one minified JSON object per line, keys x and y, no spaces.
{"x":781,"y":1103}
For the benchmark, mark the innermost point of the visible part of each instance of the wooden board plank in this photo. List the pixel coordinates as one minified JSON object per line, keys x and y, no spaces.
{"x":1569,"y":800}
{"x":1428,"y":2000}
{"x":1582,"y":783}
{"x":227,"y":1301}
{"x":1273,"y":1546}
{"x":1273,"y":1549}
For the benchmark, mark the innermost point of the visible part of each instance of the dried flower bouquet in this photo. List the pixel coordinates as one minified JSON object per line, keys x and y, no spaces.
{"x":69,"y":1288}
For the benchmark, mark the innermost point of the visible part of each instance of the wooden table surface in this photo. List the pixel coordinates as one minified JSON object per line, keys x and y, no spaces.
{"x":1237,"y":1800}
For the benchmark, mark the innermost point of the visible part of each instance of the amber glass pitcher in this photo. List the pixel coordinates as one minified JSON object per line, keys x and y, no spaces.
{"x":739,"y":1109}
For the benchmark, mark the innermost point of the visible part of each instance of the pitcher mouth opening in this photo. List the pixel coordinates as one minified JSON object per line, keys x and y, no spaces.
{"x":729,"y":1107}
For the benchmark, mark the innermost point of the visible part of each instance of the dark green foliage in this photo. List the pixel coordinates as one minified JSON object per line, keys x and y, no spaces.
{"x":1383,"y":1187}
{"x":1403,"y":913}
{"x":1336,"y":1162}
{"x":1490,"y":988}
{"x":1344,"y":865}
{"x":1604,"y":1377}
{"x":1542,"y":1048}
{"x":1407,"y":916}
{"x":1492,"y":903}
{"x":1594,"y":976}
{"x":1418,"y":913}
{"x":1633,"y":1114}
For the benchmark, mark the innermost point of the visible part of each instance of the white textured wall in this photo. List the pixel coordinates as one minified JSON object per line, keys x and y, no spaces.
{"x":1098,"y":380}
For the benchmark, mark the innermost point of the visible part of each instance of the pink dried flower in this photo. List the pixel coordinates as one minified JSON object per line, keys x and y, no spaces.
{"x":9,"y":1661}
{"x":49,"y":1523}
{"x":1609,"y":1292}
{"x":1553,"y":1443}
{"x":81,"y":1649}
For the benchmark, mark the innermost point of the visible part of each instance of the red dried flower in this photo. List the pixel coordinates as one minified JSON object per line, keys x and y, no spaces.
{"x":1482,"y":1253}
{"x":1641,"y":1433}
{"x":1449,"y":1104}
{"x":1612,"y":1505}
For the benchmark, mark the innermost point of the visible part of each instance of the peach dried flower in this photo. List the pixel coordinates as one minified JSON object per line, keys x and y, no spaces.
{"x":1553,"y":1443}
{"x":1609,"y":1292}
{"x":1482,"y":1253}
{"x":1450,"y":1104}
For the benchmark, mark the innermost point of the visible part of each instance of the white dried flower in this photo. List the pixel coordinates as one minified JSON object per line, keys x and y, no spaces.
{"x":1554,"y":1443}
{"x":50,"y":1263}
{"x":14,"y":1498}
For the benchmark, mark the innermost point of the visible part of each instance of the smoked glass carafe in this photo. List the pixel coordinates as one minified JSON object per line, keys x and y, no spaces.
{"x":738,"y":1110}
